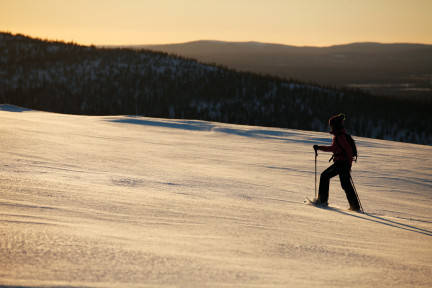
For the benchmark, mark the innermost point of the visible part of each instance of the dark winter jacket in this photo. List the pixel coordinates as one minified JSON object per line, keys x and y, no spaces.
{"x":336,"y":147}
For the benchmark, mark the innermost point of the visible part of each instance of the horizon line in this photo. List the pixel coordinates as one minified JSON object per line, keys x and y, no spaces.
{"x":217,"y":41}
{"x":266,"y":43}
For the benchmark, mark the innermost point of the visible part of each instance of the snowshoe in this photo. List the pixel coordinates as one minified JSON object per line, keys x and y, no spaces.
{"x":317,"y":202}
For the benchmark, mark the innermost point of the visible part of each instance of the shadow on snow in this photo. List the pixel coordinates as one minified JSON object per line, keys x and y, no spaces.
{"x":12,"y":108}
{"x":247,"y":131}
{"x":384,"y":221}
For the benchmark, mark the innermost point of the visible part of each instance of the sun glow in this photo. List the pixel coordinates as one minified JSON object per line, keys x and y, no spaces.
{"x":312,"y":22}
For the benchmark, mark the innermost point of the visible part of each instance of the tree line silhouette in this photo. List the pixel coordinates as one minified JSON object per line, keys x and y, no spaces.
{"x":69,"y":78}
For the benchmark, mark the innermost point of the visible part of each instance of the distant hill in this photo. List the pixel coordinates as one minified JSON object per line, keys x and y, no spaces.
{"x":69,"y":78}
{"x":390,"y":69}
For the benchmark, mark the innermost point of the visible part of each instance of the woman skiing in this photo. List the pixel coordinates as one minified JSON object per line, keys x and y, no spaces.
{"x":342,"y":158}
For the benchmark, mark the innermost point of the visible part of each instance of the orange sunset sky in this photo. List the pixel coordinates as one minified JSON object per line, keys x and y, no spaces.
{"x":305,"y":22}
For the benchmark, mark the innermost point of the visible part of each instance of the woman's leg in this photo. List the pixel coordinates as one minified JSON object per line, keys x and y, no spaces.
{"x":324,"y":185}
{"x":345,"y":178}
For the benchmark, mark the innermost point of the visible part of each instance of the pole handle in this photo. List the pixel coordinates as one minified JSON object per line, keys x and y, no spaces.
{"x":316,"y":150}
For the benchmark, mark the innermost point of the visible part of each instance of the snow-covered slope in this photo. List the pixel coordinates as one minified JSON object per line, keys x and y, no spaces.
{"x":140,"y":202}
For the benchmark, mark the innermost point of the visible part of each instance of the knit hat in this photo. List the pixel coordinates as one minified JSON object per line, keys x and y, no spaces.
{"x":337,"y":121}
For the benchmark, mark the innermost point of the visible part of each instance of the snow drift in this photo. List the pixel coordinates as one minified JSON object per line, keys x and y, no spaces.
{"x":137,"y":202}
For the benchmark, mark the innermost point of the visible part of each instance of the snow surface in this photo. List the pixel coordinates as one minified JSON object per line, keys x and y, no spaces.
{"x":139,"y":202}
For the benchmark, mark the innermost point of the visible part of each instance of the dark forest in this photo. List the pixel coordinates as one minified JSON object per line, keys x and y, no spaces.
{"x":70,"y":78}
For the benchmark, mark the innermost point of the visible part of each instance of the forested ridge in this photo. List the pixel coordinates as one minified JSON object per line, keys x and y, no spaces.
{"x":70,"y":78}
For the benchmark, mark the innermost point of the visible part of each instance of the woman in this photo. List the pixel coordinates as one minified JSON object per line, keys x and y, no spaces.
{"x":342,"y":158}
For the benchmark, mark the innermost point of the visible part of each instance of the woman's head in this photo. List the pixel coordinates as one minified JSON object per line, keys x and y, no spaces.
{"x":336,"y":122}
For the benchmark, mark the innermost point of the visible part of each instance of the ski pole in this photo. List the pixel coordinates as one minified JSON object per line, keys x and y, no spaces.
{"x":316,"y":155}
{"x":355,"y":191}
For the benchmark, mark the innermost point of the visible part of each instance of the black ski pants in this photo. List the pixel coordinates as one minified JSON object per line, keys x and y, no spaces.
{"x":342,"y":169}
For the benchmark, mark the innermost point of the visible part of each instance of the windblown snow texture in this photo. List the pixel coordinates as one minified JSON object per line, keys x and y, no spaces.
{"x":141,"y":202}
